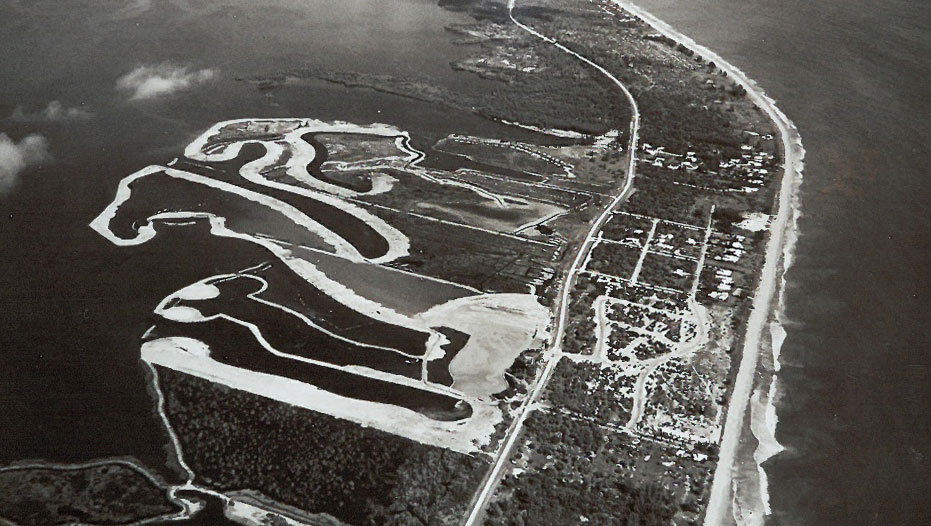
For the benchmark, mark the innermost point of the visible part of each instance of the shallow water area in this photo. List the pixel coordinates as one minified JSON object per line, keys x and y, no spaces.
{"x":80,"y":304}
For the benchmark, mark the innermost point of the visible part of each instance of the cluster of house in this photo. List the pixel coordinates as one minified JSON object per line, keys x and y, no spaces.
{"x":731,"y":249}
{"x":750,"y":166}
{"x":614,"y":11}
{"x":724,"y":284}
{"x":666,"y":242}
{"x":633,"y":237}
{"x":502,"y":57}
{"x":658,"y":156}
{"x":727,"y":249}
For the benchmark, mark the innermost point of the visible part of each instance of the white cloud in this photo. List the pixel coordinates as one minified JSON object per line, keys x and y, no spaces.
{"x":55,"y":111}
{"x":148,"y":82}
{"x":30,"y":151}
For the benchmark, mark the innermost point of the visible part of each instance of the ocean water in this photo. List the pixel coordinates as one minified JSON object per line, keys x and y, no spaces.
{"x":854,"y":390}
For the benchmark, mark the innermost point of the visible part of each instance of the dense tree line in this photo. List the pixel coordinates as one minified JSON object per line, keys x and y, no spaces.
{"x":656,"y":195}
{"x":668,"y":272}
{"x":110,"y":493}
{"x":315,"y":462}
{"x":568,"y":389}
{"x":581,"y":479}
{"x":614,"y":259}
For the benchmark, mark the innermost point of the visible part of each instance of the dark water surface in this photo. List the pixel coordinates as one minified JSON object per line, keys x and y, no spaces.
{"x":72,"y":305}
{"x":856,"y":379}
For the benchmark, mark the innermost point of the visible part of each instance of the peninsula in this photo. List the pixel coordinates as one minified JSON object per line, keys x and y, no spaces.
{"x":563,"y":314}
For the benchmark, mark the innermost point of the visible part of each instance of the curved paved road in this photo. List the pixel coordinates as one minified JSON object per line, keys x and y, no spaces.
{"x":552,"y":356}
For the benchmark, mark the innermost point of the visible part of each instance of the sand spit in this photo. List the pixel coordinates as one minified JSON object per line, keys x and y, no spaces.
{"x":246,"y":513}
{"x":302,"y":154}
{"x":518,"y":320}
{"x":198,"y":149}
{"x":501,"y":326}
{"x":198,"y":291}
{"x":566,"y":134}
{"x":301,"y":267}
{"x":146,"y":231}
{"x":466,"y":436}
{"x":768,"y":298}
{"x":168,"y":310}
{"x":212,"y":146}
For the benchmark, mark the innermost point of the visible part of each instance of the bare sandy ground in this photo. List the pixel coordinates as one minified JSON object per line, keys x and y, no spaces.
{"x":502,"y":326}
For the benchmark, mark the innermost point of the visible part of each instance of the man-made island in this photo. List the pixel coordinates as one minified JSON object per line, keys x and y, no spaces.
{"x":571,"y":325}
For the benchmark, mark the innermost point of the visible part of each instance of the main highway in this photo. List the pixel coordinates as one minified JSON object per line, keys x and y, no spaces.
{"x":552,"y":355}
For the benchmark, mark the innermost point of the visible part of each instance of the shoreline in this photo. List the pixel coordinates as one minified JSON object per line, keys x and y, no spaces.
{"x":768,"y":307}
